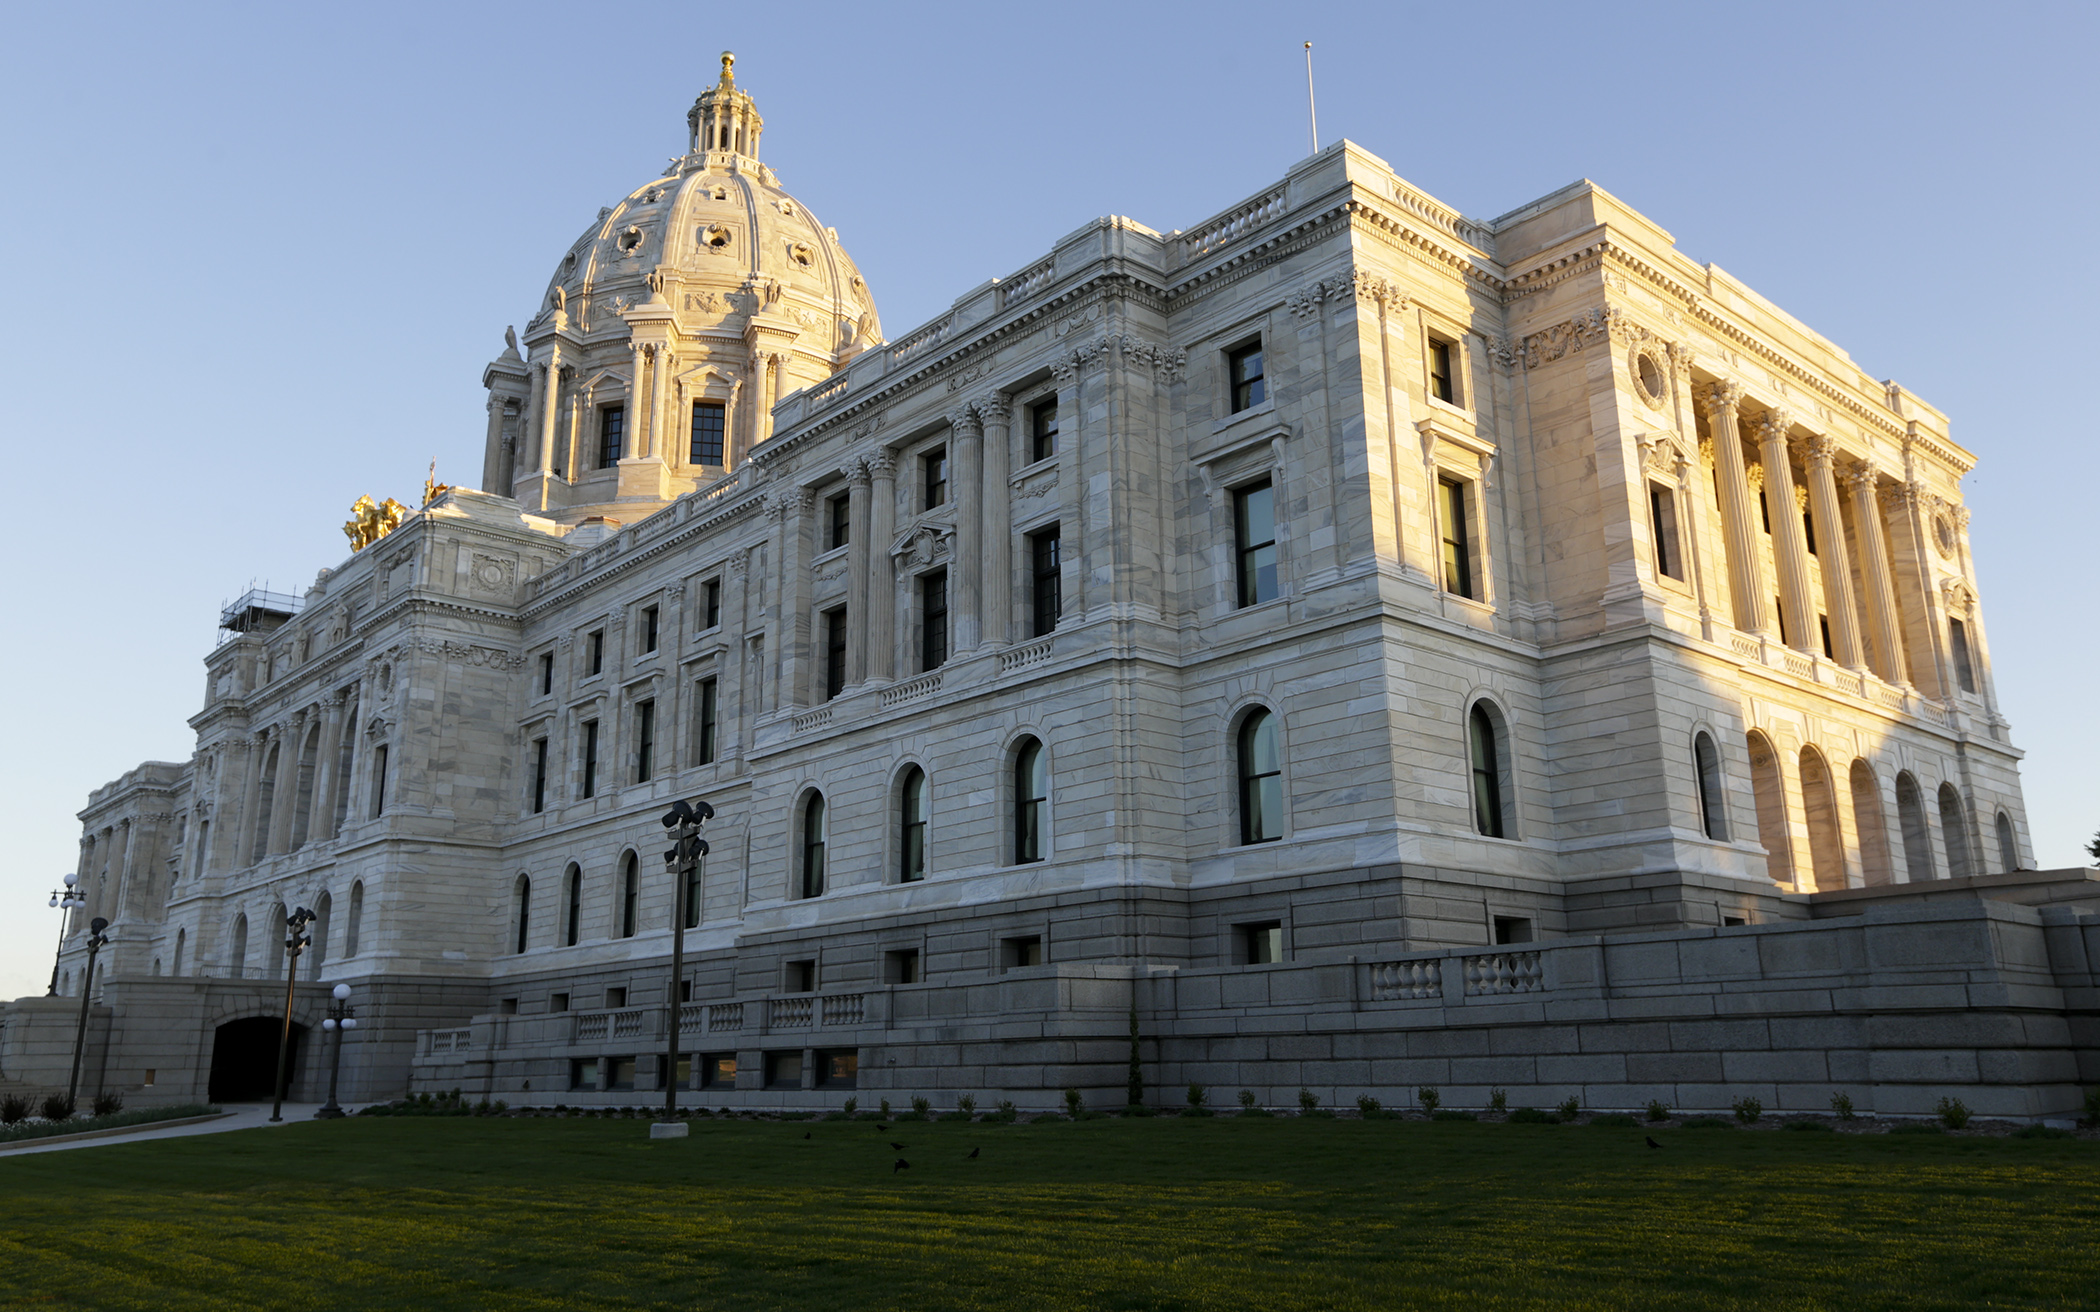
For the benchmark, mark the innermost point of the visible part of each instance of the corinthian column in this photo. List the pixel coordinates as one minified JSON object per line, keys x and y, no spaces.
{"x":550,"y":404}
{"x":1837,"y":567}
{"x":637,"y":407}
{"x":1746,"y":583}
{"x":968,"y":482}
{"x":1864,"y":482}
{"x":1789,"y":541}
{"x":995,"y":615}
{"x":879,"y":604}
{"x":792,"y":652}
{"x":858,"y":548}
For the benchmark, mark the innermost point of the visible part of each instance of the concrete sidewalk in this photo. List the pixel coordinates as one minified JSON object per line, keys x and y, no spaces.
{"x":244,"y":1116}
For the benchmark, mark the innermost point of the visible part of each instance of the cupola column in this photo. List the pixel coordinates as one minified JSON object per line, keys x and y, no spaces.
{"x":1797,"y":612}
{"x":1830,"y":543}
{"x":858,"y":547}
{"x":550,"y":404}
{"x":1746,"y":584}
{"x":968,"y":482}
{"x":637,"y":408}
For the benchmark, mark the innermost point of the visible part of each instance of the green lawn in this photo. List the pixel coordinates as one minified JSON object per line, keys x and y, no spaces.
{"x":1223,"y":1213}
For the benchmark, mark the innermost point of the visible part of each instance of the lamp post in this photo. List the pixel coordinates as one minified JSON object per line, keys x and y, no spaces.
{"x":295,"y":940}
{"x":341,"y":1018}
{"x":96,"y":938}
{"x":65,"y":899}
{"x":688,"y":849}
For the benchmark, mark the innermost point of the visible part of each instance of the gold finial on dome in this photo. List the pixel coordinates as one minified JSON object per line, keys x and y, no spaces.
{"x":723,"y":118}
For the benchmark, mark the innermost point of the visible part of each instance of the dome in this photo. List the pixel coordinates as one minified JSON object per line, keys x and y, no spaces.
{"x":720,"y":241}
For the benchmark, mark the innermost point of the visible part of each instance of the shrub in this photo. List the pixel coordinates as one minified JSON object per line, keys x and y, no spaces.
{"x":1747,"y":1110}
{"x":1498,"y":1100}
{"x":1450,"y":1115}
{"x":1137,"y":1109}
{"x":851,"y":1105}
{"x":57,"y":1107}
{"x":1613,"y":1118}
{"x":2042,"y":1132}
{"x":1006,"y":1110}
{"x":1953,"y":1113}
{"x":1570,"y":1108}
{"x":1916,"y":1127}
{"x":1075,"y":1106}
{"x":885,"y":1109}
{"x":1429,"y":1098}
{"x":1368,"y":1106}
{"x":920,"y":1106}
{"x":1532,"y":1116}
{"x":1841,"y":1106}
{"x":1250,"y":1105}
{"x":1307,"y":1102}
{"x":967,"y":1104}
{"x":108,"y":1104}
{"x":2092,"y":1108}
{"x":1657,"y":1111}
{"x":1808,"y":1125}
{"x":1197,"y":1093}
{"x":14,"y":1109}
{"x":1703,"y":1123}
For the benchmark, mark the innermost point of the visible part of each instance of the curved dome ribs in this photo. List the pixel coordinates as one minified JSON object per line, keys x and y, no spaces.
{"x":707,"y":286}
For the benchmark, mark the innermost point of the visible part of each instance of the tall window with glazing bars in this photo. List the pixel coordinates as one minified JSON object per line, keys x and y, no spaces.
{"x":707,"y":433}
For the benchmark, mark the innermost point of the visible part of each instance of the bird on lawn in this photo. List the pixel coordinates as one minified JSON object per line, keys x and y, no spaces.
{"x":898,"y":1146}
{"x":882,"y":1129}
{"x":901,"y":1165}
{"x":805,"y":1134}
{"x":1651,"y":1141}
{"x":973,"y":1154}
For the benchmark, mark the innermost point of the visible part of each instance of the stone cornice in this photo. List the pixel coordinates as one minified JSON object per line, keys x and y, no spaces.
{"x":754,"y":499}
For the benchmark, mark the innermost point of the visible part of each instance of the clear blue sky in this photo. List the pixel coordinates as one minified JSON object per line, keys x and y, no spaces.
{"x":261,"y":253}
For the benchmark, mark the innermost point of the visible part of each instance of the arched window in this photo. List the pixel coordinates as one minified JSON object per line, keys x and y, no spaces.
{"x":524,"y":900}
{"x":1484,"y":747}
{"x":237,"y":953}
{"x":303,"y":793}
{"x":1826,"y":844}
{"x":1713,"y":806}
{"x":1261,"y":779}
{"x":357,"y":915}
{"x":345,"y":760}
{"x":182,"y":940}
{"x":1917,"y":838}
{"x":1954,"y":824}
{"x":572,"y":911}
{"x":156,"y":965}
{"x":1873,"y":826}
{"x":378,"y":780}
{"x":813,"y":846}
{"x":265,"y":797}
{"x":1770,"y":792}
{"x":911,"y":826}
{"x":2008,"y":844}
{"x":1031,"y":802}
{"x":630,"y":895}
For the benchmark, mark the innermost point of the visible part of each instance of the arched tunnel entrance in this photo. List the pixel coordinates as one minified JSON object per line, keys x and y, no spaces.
{"x":244,"y":1059}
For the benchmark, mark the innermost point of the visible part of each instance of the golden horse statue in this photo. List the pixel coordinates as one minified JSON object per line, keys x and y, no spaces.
{"x":372,"y":520}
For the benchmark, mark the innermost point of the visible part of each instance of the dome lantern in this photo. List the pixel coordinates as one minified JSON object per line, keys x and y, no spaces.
{"x":724,"y":118}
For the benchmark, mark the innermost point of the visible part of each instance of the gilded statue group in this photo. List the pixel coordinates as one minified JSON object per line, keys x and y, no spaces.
{"x":372,"y":520}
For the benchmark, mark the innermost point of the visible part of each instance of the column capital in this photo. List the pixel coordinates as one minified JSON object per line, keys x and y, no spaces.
{"x":1861,"y":475}
{"x":964,"y":420}
{"x":1774,"y":426}
{"x":1717,"y":397}
{"x":1820,"y":453}
{"x":857,"y":473}
{"x":881,"y":463}
{"x":994,"y":407}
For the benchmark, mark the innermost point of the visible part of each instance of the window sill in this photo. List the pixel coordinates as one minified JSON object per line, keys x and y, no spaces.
{"x":1252,"y":414}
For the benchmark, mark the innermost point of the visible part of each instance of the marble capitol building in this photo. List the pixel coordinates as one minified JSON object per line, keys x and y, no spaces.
{"x":1380,"y":647}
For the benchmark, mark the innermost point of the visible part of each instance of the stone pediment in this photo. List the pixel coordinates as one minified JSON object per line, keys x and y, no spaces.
{"x":923,"y":544}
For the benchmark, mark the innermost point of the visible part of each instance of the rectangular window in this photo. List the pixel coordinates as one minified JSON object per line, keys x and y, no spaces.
{"x":590,"y":758}
{"x":583,"y":1073}
{"x":595,"y":652}
{"x":839,"y":519}
{"x":645,"y":742}
{"x":903,"y":966}
{"x":1442,"y":384}
{"x":800,"y":977}
{"x":1662,"y":515}
{"x":935,"y":465}
{"x":1249,"y":388}
{"x":718,"y":1071}
{"x":1823,"y":623}
{"x":619,"y":1072}
{"x":1262,"y":943}
{"x":707,"y":433}
{"x":838,"y":1070}
{"x":933,"y":620}
{"x":711,"y":604}
{"x":1458,"y":554}
{"x":612,"y":435}
{"x":651,"y":618}
{"x":1046,"y":594}
{"x":1764,"y":511}
{"x":1964,"y":664}
{"x":1042,"y":430}
{"x":704,"y":729}
{"x":1779,"y":613}
{"x":1513,"y":929}
{"x":546,"y":673}
{"x":783,"y":1070}
{"x":539,"y":775}
{"x":1019,"y":951}
{"x":616,"y":997}
{"x":834,"y":652}
{"x":1808,"y":530}
{"x":684,"y":1074}
{"x":1254,"y":527}
{"x":507,"y":1006}
{"x":378,"y":780}
{"x":557,"y":1002}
